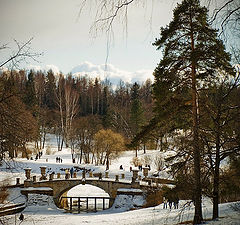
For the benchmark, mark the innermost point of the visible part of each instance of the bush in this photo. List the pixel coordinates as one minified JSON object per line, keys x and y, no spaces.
{"x":3,"y":190}
{"x":27,"y":153}
{"x":49,"y":151}
{"x":136,"y":161}
{"x":159,"y":162}
{"x":147,"y":160}
{"x":3,"y":194}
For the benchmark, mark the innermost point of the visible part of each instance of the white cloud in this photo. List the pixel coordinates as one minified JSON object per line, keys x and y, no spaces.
{"x":44,"y":68}
{"x":111,"y":72}
{"x":53,"y":68}
{"x":102,"y":71}
{"x":34,"y":67}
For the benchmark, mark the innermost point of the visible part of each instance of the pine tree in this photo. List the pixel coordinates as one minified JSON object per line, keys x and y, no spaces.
{"x":50,"y":94}
{"x":30,"y":98}
{"x":137,"y":116}
{"x":192,"y":54}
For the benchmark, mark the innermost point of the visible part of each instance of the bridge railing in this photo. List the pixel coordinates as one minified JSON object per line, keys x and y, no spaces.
{"x":135,"y":176}
{"x":85,"y":203}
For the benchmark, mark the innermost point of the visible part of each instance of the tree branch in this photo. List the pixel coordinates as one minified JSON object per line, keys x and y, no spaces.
{"x":22,"y":53}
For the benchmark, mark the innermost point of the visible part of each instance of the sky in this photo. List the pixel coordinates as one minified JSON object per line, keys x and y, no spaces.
{"x":67,"y":45}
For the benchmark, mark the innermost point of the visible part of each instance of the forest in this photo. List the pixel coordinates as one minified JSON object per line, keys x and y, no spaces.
{"x":72,"y":108}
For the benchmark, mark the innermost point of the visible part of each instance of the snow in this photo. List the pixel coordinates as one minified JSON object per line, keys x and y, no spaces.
{"x":41,"y":209}
{"x":15,"y":196}
{"x":37,"y":189}
{"x":127,"y":202}
{"x":130,"y":190}
{"x":86,"y":191}
{"x":49,"y":214}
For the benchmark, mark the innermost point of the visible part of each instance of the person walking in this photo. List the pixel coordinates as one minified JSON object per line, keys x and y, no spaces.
{"x":170,"y":202}
{"x":176,"y":202}
{"x":71,"y":172}
{"x":165,"y":203}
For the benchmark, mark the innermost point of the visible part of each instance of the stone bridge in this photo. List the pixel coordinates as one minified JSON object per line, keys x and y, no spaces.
{"x":58,"y":187}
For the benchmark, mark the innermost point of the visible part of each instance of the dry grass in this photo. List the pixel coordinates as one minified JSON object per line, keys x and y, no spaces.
{"x":3,"y":190}
{"x":49,"y":151}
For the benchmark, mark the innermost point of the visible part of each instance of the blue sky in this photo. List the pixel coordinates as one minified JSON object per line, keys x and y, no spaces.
{"x":64,"y":37}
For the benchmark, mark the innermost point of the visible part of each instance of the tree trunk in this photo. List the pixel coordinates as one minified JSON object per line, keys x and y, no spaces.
{"x":81,"y":155}
{"x":93,"y":157}
{"x":216,"y":178}
{"x":58,"y":141}
{"x":161,"y":144}
{"x":196,"y":151}
{"x":40,"y":142}
{"x":157,"y":144}
{"x":44,"y":139}
{"x":107,"y":163}
{"x":61,"y":145}
{"x":216,"y":194}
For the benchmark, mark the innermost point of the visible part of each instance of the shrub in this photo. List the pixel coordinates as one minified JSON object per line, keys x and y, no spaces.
{"x":3,"y":190}
{"x":159,"y":162}
{"x":27,"y":153}
{"x":136,"y":161}
{"x":147,"y":160}
{"x":49,"y":151}
{"x":3,"y":194}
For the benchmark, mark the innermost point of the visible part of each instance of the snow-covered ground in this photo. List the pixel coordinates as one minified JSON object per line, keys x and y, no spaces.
{"x":45,"y":212}
{"x":49,"y":214}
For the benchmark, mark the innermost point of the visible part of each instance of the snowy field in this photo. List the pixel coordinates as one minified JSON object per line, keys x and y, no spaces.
{"x":154,"y":215}
{"x":48,"y":213}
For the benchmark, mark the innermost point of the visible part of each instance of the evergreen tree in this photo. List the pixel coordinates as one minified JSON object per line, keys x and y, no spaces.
{"x":136,"y":113}
{"x":192,"y":55}
{"x":50,"y":94}
{"x":30,"y":94}
{"x":105,"y":108}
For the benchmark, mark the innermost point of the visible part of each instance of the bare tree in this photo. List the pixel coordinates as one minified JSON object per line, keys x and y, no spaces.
{"x":71,"y":106}
{"x":59,"y":97}
{"x":22,"y":53}
{"x":225,"y":15}
{"x":67,"y":100}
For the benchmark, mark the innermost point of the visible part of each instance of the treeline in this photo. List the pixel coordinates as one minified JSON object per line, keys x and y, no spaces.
{"x":73,"y":108}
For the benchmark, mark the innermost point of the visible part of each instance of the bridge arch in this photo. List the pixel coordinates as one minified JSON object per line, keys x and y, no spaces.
{"x":87,"y":190}
{"x":61,"y":187}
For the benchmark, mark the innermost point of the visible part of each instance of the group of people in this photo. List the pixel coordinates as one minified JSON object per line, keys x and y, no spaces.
{"x":140,"y":167}
{"x":71,"y":171}
{"x":38,"y":156}
{"x":171,"y":201}
{"x":58,"y":160}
